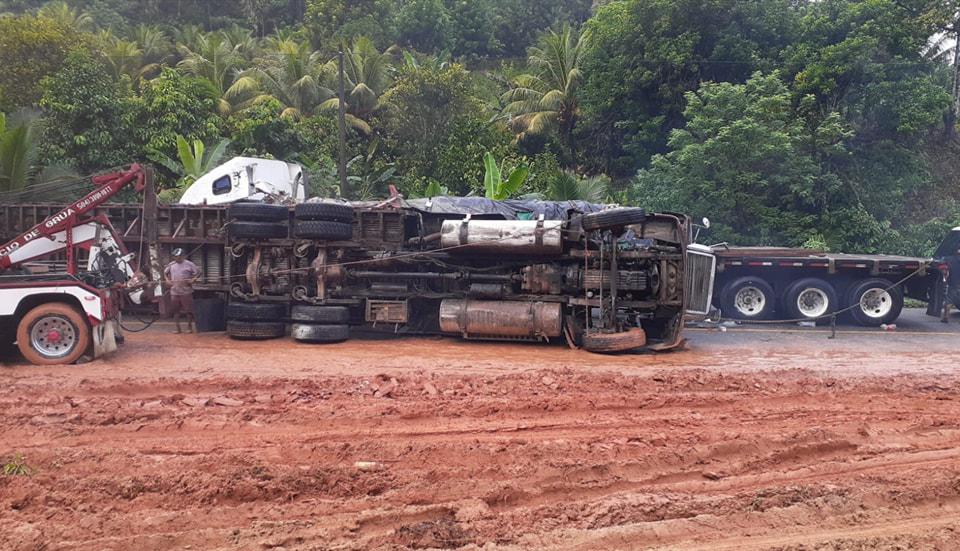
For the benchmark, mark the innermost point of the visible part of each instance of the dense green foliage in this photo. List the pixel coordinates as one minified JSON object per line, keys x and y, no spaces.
{"x":787,"y":123}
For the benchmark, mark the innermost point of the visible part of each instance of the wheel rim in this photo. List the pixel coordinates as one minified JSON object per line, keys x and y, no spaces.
{"x":812,"y":302}
{"x":749,"y":301}
{"x":876,"y":303}
{"x":53,"y":336}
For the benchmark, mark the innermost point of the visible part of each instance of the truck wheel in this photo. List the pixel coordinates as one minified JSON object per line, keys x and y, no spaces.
{"x":321,"y":314}
{"x":255,"y":330}
{"x":608,"y":343}
{"x":810,"y":299}
{"x":53,"y":333}
{"x":331,"y":212}
{"x":256,"y":311}
{"x":747,"y":298}
{"x":305,"y":332}
{"x":875,"y":302}
{"x":613,"y":218}
{"x":240,"y":229}
{"x":323,"y":230}
{"x":258,"y":212}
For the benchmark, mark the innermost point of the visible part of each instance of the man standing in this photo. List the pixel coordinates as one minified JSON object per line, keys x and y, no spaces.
{"x":180,"y":275}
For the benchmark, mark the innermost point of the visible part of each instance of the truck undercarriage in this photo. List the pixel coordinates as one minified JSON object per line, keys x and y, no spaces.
{"x":608,"y":280}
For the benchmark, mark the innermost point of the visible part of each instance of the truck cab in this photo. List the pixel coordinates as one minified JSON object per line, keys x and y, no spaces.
{"x":248,"y":179}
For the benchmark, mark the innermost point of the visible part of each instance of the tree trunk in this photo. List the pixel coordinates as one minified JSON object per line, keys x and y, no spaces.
{"x":950,"y":120}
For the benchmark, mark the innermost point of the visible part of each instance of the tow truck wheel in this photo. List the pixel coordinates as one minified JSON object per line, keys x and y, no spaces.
{"x":811,"y":299}
{"x":876,"y":302}
{"x":53,"y":333}
{"x":747,"y":298}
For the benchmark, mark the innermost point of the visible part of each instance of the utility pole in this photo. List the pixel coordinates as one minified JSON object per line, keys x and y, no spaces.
{"x":342,"y":123}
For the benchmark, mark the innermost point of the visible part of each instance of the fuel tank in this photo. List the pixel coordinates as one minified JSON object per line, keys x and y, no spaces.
{"x":501,"y":319}
{"x":503,"y":236}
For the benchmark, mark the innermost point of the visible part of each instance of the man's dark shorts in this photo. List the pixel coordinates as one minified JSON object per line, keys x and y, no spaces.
{"x":181,"y":304}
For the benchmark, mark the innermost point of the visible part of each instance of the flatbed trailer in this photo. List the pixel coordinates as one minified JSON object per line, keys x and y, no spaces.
{"x":771,"y":283}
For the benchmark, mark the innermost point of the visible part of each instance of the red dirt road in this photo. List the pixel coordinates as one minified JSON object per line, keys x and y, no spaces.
{"x":203,"y":443}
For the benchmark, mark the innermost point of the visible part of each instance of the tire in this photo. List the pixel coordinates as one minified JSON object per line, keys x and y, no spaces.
{"x":608,"y":343}
{"x":747,"y":298}
{"x":54,"y":333}
{"x":321,"y":314}
{"x":256,"y":311}
{"x":257,"y":230}
{"x":330,"y":212}
{"x":305,"y":332}
{"x":613,"y":218}
{"x":256,"y":330}
{"x":876,"y":303}
{"x":323,"y":230}
{"x":810,"y":299}
{"x":258,"y":212}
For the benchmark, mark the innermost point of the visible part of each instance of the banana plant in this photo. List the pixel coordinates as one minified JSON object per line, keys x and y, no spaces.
{"x":494,"y":186}
{"x":194,"y":160}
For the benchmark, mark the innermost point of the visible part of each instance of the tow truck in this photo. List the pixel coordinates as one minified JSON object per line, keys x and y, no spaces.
{"x":60,"y":316}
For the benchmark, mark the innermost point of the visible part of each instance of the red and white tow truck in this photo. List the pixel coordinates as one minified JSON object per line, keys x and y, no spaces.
{"x":61,"y":316}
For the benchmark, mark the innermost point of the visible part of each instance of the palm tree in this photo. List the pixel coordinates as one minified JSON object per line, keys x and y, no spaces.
{"x":213,"y":58}
{"x":243,"y":41}
{"x":153,"y":42}
{"x":545,"y":100}
{"x":18,"y":154}
{"x":62,"y":13}
{"x":568,"y":186}
{"x":293,"y":73}
{"x":125,"y":57}
{"x":367,"y":75}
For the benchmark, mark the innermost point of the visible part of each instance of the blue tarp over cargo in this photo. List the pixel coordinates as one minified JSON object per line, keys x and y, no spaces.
{"x":511,"y":209}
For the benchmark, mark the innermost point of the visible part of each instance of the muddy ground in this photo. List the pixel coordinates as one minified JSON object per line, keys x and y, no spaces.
{"x":747,"y":440}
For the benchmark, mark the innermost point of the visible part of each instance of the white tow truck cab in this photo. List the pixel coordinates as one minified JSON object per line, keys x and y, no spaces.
{"x":248,"y":179}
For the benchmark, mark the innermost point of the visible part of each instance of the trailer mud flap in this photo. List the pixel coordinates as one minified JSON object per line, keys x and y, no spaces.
{"x":938,"y":297}
{"x":105,"y":338}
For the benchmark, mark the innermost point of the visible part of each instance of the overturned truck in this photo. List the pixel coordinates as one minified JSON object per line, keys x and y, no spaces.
{"x":606,"y":280}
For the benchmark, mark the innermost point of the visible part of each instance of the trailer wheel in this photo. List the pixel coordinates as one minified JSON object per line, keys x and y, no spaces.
{"x":241,"y":229}
{"x":321,"y":314}
{"x":53,"y":333}
{"x":258,"y":212}
{"x":256,"y":311}
{"x":876,"y":303}
{"x":613,"y":218}
{"x":255,"y":330}
{"x":331,"y":212}
{"x":747,"y":298}
{"x":608,"y":343}
{"x":810,"y":299}
{"x":323,"y":230}
{"x":305,"y":332}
